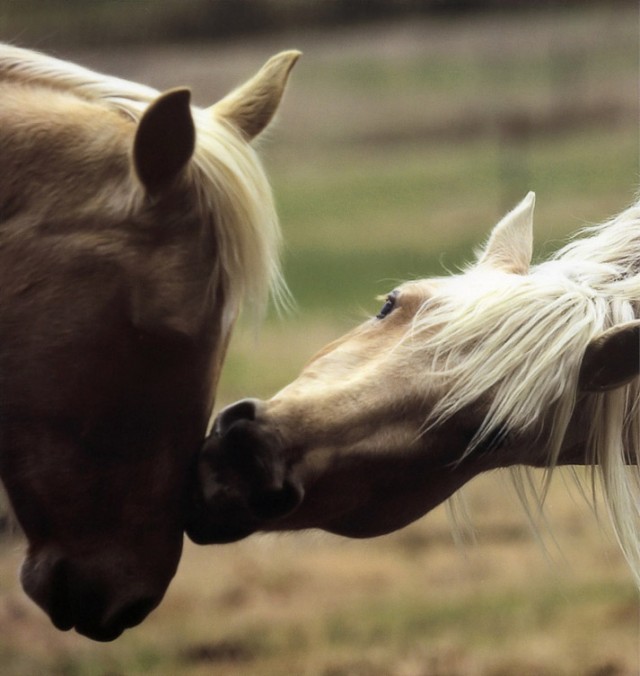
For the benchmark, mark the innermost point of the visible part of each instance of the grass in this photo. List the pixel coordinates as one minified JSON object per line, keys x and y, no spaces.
{"x":483,"y":619}
{"x":355,"y":232}
{"x":408,"y":212}
{"x":319,"y":605}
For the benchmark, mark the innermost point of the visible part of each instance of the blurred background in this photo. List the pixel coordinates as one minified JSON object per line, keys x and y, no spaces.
{"x":408,"y":129}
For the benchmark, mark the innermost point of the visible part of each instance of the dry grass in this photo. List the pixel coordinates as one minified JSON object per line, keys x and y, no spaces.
{"x":412,"y":603}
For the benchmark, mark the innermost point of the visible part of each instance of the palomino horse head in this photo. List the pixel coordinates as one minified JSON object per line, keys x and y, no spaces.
{"x":132,"y":225}
{"x":505,"y":365}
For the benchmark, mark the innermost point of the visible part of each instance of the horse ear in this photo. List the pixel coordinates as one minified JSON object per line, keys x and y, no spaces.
{"x":165,"y":140}
{"x":252,"y":106}
{"x":612,"y":359}
{"x":510,"y":245}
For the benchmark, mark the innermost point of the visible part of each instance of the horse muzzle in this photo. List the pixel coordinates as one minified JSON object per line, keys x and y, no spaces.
{"x":243,"y":480}
{"x":99,"y":600}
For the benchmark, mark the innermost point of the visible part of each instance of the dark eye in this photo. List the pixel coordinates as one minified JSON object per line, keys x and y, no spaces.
{"x":388,"y":306}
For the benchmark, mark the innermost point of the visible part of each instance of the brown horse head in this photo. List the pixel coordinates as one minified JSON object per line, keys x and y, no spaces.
{"x":505,"y":365}
{"x":132,"y":226}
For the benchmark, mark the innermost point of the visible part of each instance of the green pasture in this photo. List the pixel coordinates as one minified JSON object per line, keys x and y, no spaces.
{"x":393,"y":165}
{"x":358,"y":223}
{"x":374,"y":217}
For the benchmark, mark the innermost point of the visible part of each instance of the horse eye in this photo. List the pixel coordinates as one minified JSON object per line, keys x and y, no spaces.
{"x":388,"y":306}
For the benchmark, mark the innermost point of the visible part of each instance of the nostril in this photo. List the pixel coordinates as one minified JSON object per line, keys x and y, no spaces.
{"x":245,"y":409}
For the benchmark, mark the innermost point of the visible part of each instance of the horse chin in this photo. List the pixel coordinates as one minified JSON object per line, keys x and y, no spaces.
{"x":220,"y":518}
{"x":217,"y":534}
{"x":359,"y":529}
{"x":228,"y":516}
{"x":205,"y":531}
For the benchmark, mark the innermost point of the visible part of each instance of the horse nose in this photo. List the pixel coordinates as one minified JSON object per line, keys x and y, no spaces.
{"x":81,"y":595}
{"x":245,"y":409}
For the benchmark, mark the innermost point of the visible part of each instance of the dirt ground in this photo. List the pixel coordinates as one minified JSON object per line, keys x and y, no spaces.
{"x":411,"y":604}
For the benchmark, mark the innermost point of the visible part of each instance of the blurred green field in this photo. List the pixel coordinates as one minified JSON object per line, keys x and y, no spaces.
{"x":394,"y":164}
{"x":398,"y":147}
{"x":385,"y":215}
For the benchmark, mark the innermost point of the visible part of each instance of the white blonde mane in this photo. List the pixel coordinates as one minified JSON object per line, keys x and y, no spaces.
{"x":234,"y":195}
{"x":517,"y":342}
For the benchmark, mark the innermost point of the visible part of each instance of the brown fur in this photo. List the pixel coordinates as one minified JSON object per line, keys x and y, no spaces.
{"x":116,"y":304}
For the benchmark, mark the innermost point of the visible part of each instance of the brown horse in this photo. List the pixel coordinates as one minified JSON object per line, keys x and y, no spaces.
{"x":506,"y":365}
{"x":132,"y":227}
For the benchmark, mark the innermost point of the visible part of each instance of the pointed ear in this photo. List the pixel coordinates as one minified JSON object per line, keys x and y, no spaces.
{"x":612,"y":359}
{"x":510,"y":245}
{"x":165,"y":140}
{"x":252,"y":106}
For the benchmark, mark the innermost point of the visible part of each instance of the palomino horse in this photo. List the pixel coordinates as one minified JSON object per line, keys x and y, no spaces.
{"x":505,"y":365}
{"x":132,"y":226}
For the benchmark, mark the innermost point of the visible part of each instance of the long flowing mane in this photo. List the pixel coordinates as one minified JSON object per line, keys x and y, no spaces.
{"x":234,"y":195}
{"x":517,"y":341}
